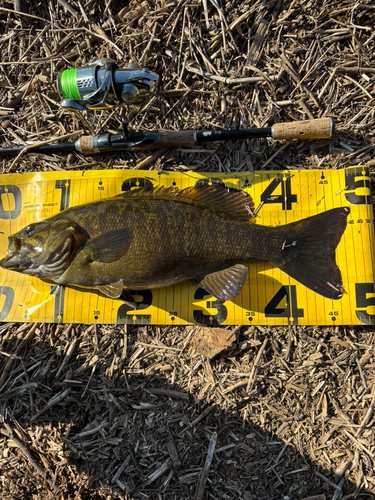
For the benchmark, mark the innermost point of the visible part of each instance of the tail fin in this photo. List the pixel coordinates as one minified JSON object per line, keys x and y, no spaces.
{"x":308,"y":253}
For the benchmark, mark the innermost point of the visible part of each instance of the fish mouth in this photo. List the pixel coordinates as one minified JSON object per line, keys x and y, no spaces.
{"x":5,"y":261}
{"x":12,"y":258}
{"x":56,"y":263}
{"x":11,"y":262}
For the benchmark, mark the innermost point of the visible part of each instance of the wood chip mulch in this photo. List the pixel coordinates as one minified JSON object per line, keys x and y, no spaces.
{"x":130,"y":412}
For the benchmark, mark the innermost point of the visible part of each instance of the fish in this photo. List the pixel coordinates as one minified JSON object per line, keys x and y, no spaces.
{"x":154,"y":237}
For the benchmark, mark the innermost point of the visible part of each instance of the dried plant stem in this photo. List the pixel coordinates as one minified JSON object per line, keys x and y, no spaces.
{"x":30,"y":147}
{"x":206,"y":469}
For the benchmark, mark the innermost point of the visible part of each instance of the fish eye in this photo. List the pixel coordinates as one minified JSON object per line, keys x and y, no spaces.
{"x":29,"y":229}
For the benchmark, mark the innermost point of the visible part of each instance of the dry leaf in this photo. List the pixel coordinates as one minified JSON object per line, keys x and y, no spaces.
{"x":211,"y":341}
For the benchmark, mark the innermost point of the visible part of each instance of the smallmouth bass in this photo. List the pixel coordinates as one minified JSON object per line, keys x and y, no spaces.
{"x":153,"y":237}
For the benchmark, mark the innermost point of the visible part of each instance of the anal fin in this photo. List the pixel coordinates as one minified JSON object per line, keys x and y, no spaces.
{"x":128,"y":299}
{"x":226,"y":284}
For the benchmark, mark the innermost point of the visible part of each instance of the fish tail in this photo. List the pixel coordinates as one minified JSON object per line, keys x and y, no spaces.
{"x":308,"y":251}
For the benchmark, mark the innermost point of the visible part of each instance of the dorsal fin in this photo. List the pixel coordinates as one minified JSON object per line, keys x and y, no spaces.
{"x":236,"y":203}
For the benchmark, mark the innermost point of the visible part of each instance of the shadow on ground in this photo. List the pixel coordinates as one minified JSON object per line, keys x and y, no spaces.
{"x":129,"y":412}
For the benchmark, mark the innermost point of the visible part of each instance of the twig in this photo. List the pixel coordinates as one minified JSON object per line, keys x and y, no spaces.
{"x":34,"y":42}
{"x":9,"y":364}
{"x":149,"y":159}
{"x":258,"y":41}
{"x":198,"y":419}
{"x":222,"y":22}
{"x":358,"y":85}
{"x":68,"y":7}
{"x":68,"y":355}
{"x":206,"y":468}
{"x":148,"y":46}
{"x":105,"y":39}
{"x":27,"y":454}
{"x":266,"y":78}
{"x":24,"y":14}
{"x":24,"y":90}
{"x":328,"y":481}
{"x":360,"y":445}
{"x":28,"y":148}
{"x":19,"y":5}
{"x":206,"y":13}
{"x":355,"y":69}
{"x":121,"y":469}
{"x":275,"y":154}
{"x":231,"y":81}
{"x":368,"y":415}
{"x":51,"y":403}
{"x":255,"y":366}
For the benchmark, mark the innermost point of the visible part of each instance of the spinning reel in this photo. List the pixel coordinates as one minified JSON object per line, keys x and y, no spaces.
{"x":103,"y":85}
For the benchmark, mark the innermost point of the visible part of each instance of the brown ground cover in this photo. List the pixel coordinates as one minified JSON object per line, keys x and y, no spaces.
{"x":99,"y":412}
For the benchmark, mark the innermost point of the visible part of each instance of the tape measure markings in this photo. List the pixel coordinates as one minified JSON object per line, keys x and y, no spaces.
{"x":349,"y":249}
{"x":254,"y":299}
{"x":327,"y":179}
{"x":9,"y":215}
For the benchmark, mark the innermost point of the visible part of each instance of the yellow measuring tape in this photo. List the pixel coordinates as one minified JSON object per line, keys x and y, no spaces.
{"x":269,"y":296}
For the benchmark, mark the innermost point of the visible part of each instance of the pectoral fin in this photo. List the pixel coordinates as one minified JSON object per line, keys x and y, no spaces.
{"x":110,"y":246}
{"x":226,"y":284}
{"x":113,"y":291}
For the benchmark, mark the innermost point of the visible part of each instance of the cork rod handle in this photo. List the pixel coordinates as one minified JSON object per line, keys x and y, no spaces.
{"x":321,"y":128}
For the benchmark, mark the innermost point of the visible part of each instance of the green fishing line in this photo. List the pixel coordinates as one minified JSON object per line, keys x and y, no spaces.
{"x":69,"y":84}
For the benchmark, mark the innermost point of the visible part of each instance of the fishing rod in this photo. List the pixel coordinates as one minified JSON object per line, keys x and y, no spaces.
{"x":103,"y":85}
{"x":321,"y":128}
